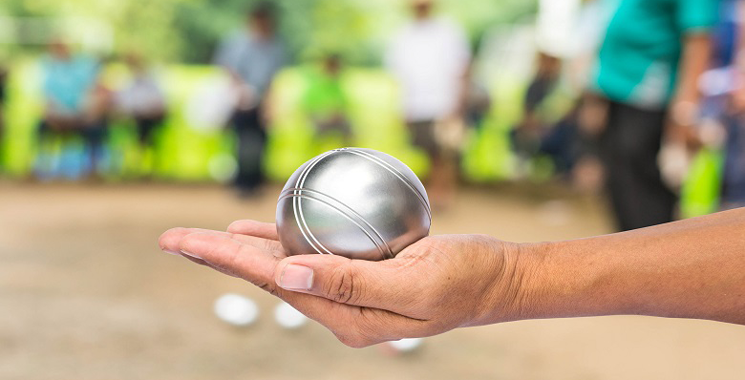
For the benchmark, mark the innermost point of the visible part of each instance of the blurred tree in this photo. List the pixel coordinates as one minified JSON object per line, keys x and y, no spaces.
{"x":189,"y":30}
{"x":310,"y":27}
{"x":141,"y":25}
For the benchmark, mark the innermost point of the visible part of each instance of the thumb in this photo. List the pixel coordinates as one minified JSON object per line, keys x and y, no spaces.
{"x":380,"y":285}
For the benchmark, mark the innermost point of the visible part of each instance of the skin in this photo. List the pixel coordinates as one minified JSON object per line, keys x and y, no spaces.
{"x":685,"y":269}
{"x":738,"y":96}
{"x":695,"y":61}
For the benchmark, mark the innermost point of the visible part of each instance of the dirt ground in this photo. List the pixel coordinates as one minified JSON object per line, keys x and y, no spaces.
{"x":86,"y":294}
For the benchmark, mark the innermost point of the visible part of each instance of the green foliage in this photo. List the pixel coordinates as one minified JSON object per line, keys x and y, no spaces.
{"x":139,"y":25}
{"x":189,"y":30}
{"x":201,"y":24}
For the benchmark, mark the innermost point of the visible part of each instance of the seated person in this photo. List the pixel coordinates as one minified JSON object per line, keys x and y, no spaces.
{"x":142,"y":100}
{"x":75,"y":101}
{"x":326,"y":103}
{"x":540,"y":132}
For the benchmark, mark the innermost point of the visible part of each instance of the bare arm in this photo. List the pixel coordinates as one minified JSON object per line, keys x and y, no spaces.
{"x":738,"y":95}
{"x":695,"y":60}
{"x":741,"y":35}
{"x":684,"y":107}
{"x":688,"y":269}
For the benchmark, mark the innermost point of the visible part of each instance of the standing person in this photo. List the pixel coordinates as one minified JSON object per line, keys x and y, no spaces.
{"x":430,"y":58}
{"x":648,"y":68}
{"x":252,"y":57}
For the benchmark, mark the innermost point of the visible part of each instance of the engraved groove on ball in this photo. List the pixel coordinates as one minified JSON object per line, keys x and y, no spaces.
{"x":347,"y":212}
{"x":364,"y":230}
{"x":375,"y":236}
{"x":396,"y":173}
{"x":295,"y":206}
{"x":298,"y":208}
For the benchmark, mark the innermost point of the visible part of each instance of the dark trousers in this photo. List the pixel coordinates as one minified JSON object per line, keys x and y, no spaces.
{"x":733,"y":187}
{"x":563,"y":145}
{"x":146,"y":127}
{"x":93,"y":134}
{"x":249,"y":130}
{"x":629,"y":147}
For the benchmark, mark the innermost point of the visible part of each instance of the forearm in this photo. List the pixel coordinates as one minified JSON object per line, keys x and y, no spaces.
{"x":689,"y":269}
{"x":741,"y":37}
{"x":465,"y":88}
{"x":693,"y":63}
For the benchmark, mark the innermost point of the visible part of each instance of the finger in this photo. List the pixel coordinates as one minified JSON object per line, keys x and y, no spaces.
{"x":350,"y":324}
{"x":384,"y":285}
{"x":354,"y":326}
{"x":204,"y":263}
{"x":272,"y":246}
{"x":254,"y":228}
{"x":232,"y":256}
{"x":169,"y":241}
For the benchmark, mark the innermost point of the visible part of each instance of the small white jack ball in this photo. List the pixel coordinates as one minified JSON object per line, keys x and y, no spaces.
{"x":406,"y":345}
{"x":236,"y":309}
{"x":288,"y":317}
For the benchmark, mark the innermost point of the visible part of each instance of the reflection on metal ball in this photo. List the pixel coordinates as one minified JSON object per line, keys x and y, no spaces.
{"x":353,"y":202}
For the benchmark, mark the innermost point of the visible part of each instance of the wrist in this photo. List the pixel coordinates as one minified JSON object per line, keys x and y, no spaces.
{"x":568,"y":279}
{"x":684,"y":112}
{"x":511,"y":292}
{"x":554,"y":280}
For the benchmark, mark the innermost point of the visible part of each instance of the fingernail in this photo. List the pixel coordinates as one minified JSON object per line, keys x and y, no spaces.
{"x":296,"y":277}
{"x":189,"y":254}
{"x":170,"y":252}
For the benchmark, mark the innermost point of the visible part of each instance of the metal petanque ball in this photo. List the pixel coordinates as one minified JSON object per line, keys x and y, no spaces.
{"x":353,"y":202}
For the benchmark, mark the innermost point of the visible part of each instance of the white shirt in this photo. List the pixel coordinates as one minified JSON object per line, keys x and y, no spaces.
{"x":429,"y":58}
{"x":142,"y":97}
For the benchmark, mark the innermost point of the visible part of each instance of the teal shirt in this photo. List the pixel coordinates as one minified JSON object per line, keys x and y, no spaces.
{"x":638,"y":61}
{"x":67,"y":82}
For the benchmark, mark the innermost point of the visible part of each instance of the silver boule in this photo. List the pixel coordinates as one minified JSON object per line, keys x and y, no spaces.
{"x":353,"y":202}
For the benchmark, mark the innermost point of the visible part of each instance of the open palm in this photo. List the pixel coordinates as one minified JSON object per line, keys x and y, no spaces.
{"x":434,"y":285}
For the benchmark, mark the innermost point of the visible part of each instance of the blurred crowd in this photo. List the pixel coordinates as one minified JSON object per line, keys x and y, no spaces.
{"x":648,"y":86}
{"x":79,"y":105}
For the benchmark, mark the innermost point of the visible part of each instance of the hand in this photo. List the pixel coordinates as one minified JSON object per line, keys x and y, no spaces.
{"x":246,"y":97}
{"x":738,"y":98}
{"x":680,"y":143}
{"x":434,"y":285}
{"x":681,"y":125}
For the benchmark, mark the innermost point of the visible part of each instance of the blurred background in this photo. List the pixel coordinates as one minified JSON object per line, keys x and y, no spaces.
{"x":527,"y":120}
